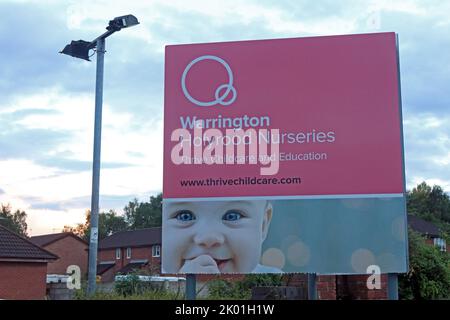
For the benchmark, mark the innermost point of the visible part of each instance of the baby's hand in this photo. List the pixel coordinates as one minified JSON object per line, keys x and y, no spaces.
{"x":201,"y":264}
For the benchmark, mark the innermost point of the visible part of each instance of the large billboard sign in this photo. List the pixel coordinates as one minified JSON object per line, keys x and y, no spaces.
{"x":284,"y":156}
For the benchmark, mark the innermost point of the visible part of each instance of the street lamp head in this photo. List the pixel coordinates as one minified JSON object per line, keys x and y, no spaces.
{"x":80,"y":49}
{"x":77,"y":49}
{"x":121,"y":22}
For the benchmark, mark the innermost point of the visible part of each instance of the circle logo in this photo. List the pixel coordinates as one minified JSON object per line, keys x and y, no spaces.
{"x":220,"y":98}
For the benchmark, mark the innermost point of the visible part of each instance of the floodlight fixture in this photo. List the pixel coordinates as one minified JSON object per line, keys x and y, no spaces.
{"x":80,"y":49}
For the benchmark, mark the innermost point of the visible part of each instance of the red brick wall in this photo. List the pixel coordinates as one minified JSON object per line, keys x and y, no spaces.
{"x":296,"y":280}
{"x":108,"y":276}
{"x":142,"y":253}
{"x":70,"y":252}
{"x":110,"y":255}
{"x":22,"y":280}
{"x":355,"y":287}
{"x":210,"y":277}
{"x":326,"y":287}
{"x":107,"y":255}
{"x":331,"y":287}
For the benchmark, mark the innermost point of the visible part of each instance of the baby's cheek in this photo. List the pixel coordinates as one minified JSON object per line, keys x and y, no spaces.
{"x":247,"y":250}
{"x":174,"y":254}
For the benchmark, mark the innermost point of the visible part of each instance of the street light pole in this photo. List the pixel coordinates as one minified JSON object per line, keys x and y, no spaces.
{"x":93,"y":243}
{"x":80,"y":49}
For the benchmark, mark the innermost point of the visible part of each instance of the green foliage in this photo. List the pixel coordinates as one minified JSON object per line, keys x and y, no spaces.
{"x":146,"y":295}
{"x":430,"y":203}
{"x":14,"y":221}
{"x":139,"y":215}
{"x":223,"y":289}
{"x":429,"y":274}
{"x":131,"y":286}
{"x":108,"y":223}
{"x":130,"y":289}
{"x":262,"y":280}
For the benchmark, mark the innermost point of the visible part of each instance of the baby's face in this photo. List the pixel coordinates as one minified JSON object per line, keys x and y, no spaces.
{"x":213,"y":237}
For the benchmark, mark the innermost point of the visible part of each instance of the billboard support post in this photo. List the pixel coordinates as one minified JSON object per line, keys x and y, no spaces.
{"x":392,"y":286}
{"x":190,"y":286}
{"x":312,"y":286}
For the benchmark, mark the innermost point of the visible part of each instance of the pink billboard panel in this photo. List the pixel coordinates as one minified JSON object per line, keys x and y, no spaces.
{"x":287,"y":117}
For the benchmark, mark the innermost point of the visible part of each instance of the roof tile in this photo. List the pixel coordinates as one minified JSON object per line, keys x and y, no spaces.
{"x":135,"y":238}
{"x":13,"y":246}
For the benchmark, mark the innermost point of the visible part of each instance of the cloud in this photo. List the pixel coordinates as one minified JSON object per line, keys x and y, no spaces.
{"x":71,"y":165}
{"x":47,"y":105}
{"x":29,"y":143}
{"x":39,"y":145}
{"x":107,"y":202}
{"x":427,"y":149}
{"x":35,"y":33}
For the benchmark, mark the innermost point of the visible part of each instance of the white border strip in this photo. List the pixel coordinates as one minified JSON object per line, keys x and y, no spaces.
{"x":331,"y":196}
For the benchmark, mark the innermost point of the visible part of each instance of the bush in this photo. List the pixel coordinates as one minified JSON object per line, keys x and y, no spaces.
{"x":242,"y":290}
{"x":130,"y":288}
{"x":429,"y":274}
{"x":147,"y":295}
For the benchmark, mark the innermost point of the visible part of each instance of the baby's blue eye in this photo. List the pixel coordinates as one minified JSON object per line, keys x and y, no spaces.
{"x":232,"y":216}
{"x":185,"y":215}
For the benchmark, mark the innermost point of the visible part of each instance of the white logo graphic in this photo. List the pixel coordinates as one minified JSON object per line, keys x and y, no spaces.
{"x":220,"y":99}
{"x":74,"y":280}
{"x":374,"y":280}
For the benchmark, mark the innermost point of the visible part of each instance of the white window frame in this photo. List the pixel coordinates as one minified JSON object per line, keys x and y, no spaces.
{"x":118,"y":253}
{"x":156,"y":251}
{"x":440,"y":243}
{"x":128,"y":253}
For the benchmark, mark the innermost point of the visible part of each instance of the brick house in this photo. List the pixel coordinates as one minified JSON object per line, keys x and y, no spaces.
{"x":23,"y":267}
{"x":71,"y":250}
{"x":125,"y":251}
{"x":430,"y":231}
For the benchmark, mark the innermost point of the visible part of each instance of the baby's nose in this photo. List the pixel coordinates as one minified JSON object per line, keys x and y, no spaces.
{"x":209,"y":239}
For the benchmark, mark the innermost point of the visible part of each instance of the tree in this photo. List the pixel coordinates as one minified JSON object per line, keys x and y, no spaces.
{"x":141,"y":215}
{"x":108,"y":223}
{"x":137,"y":215}
{"x":430,"y":203}
{"x":81,"y":229}
{"x":429,"y":271}
{"x":14,"y":221}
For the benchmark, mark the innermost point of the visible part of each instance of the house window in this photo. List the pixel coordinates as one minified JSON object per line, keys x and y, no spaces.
{"x":156,"y":251}
{"x":118,"y":253}
{"x":440,"y":243}
{"x":128,"y":253}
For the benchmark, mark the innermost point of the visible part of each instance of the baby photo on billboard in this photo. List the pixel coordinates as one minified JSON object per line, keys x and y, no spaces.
{"x":213,"y":237}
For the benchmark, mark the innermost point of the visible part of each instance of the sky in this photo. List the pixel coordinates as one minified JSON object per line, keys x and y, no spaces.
{"x":47,"y":99}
